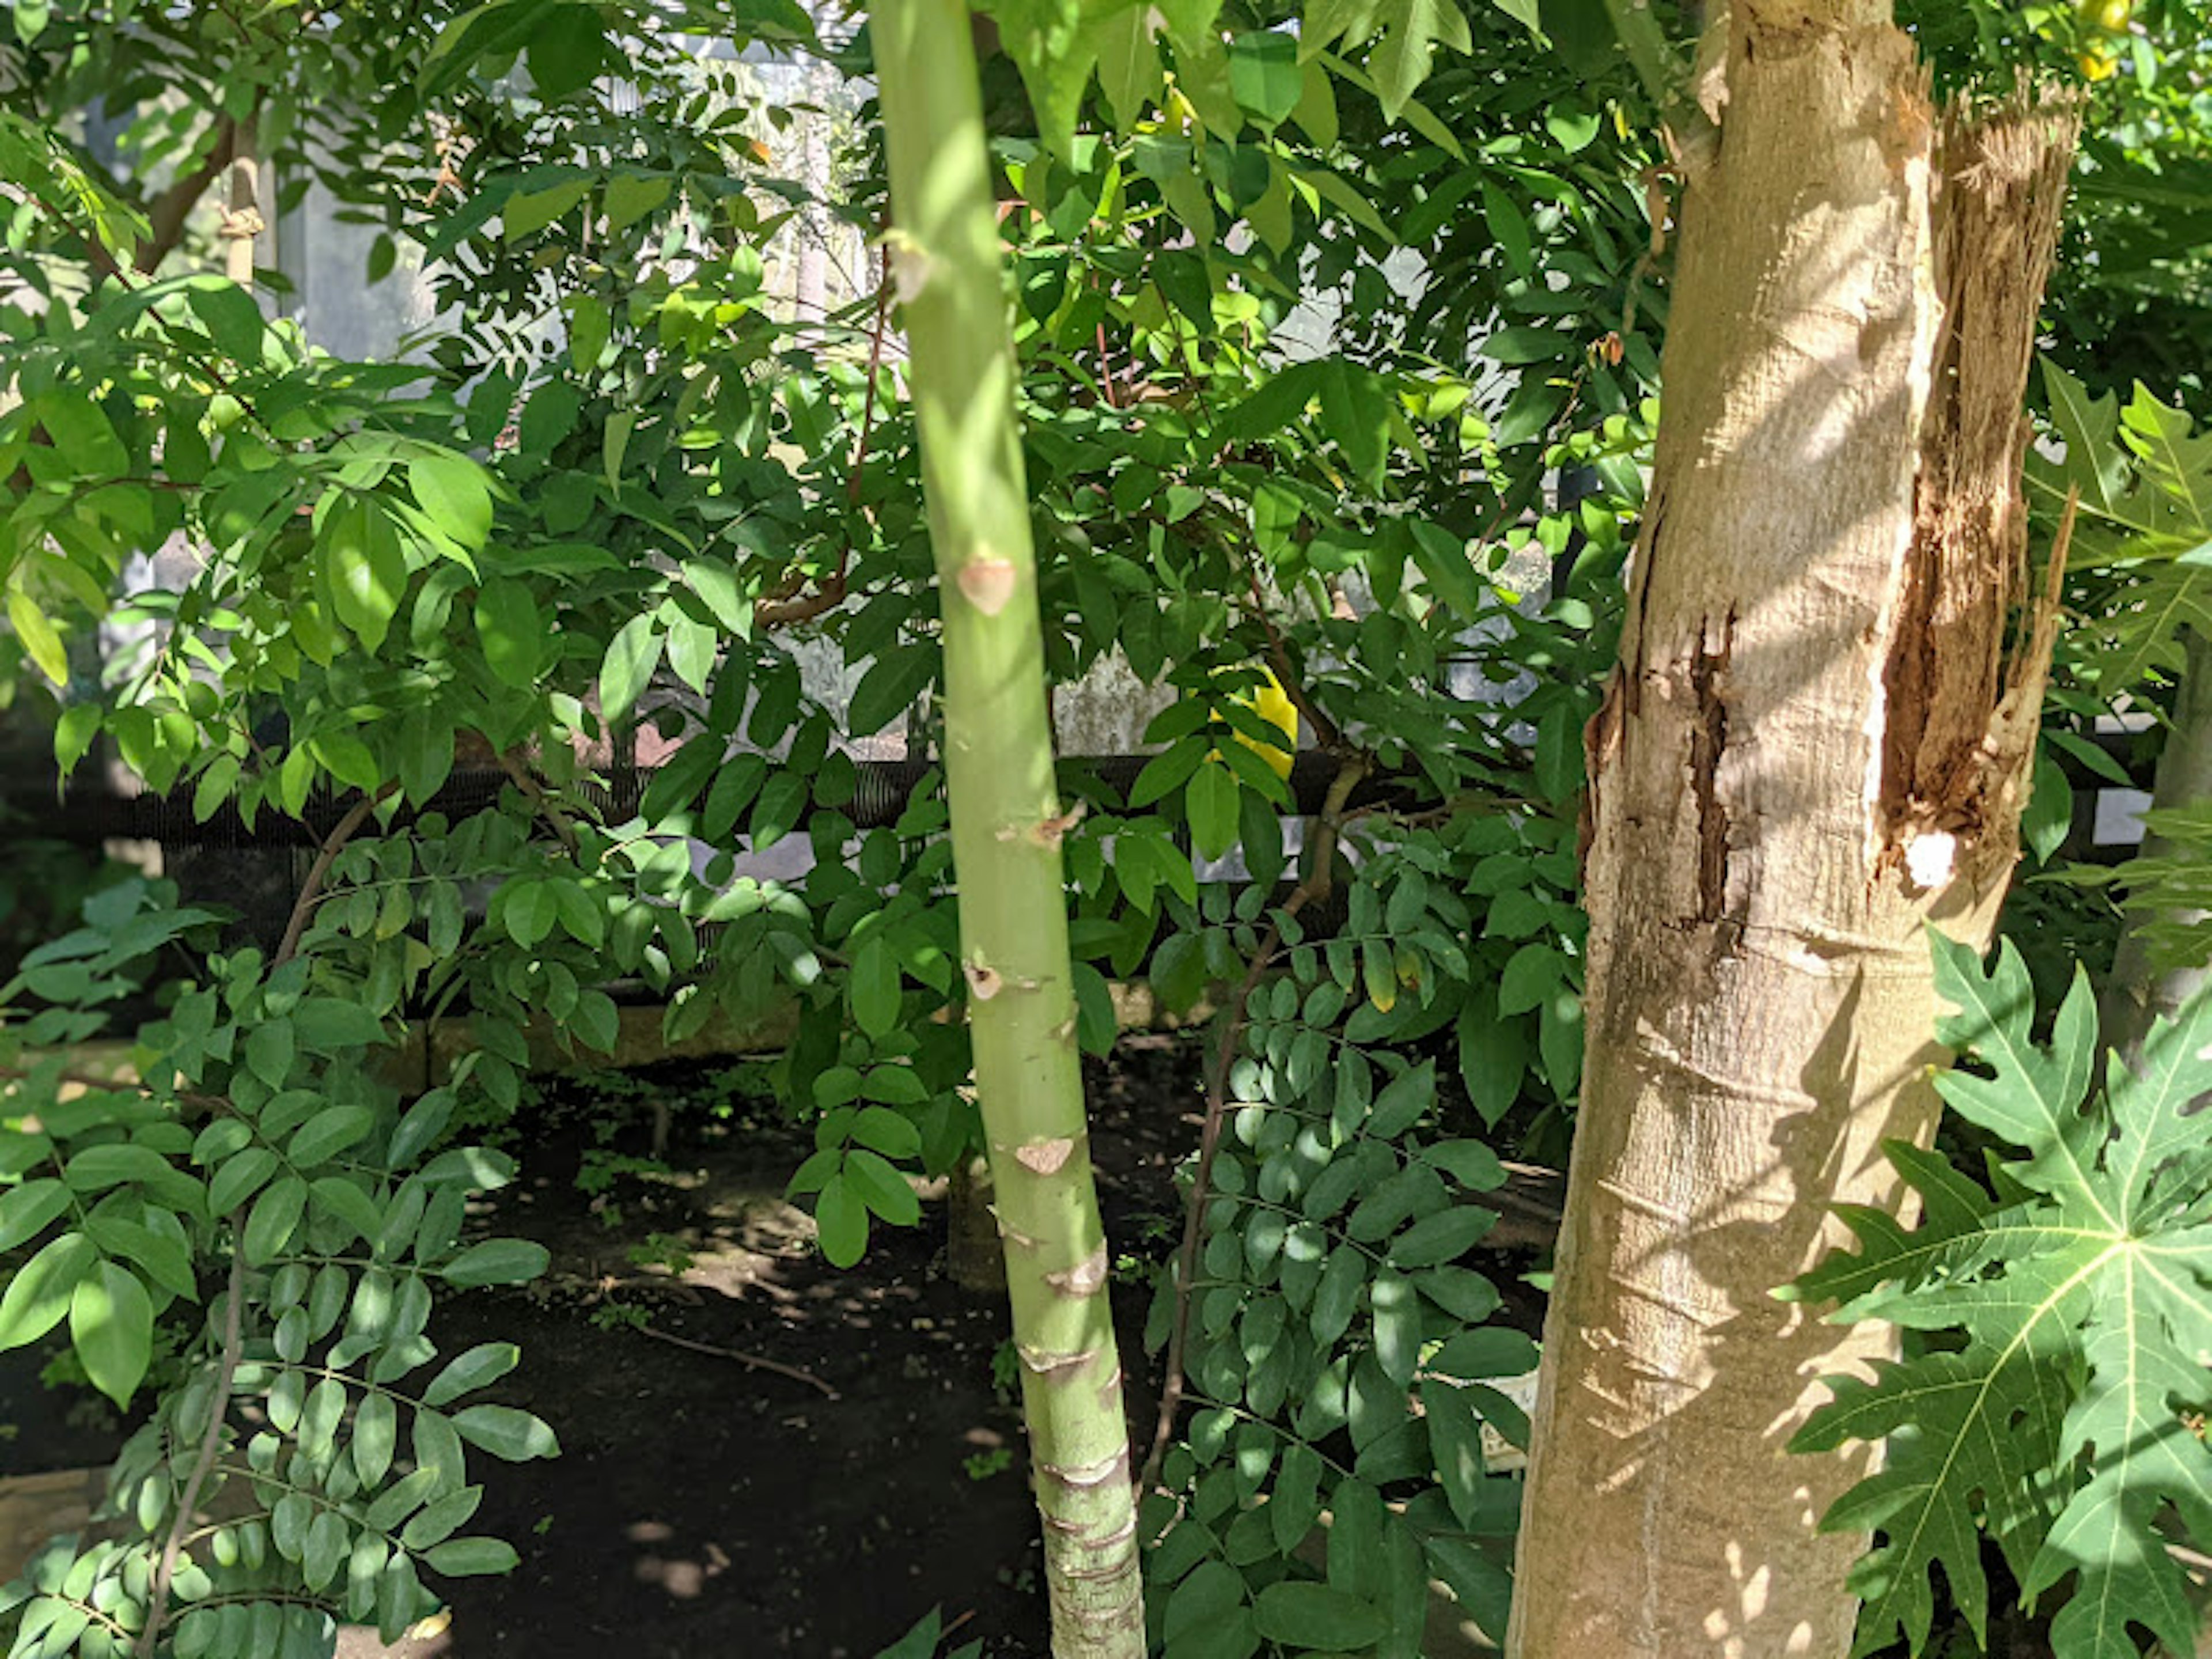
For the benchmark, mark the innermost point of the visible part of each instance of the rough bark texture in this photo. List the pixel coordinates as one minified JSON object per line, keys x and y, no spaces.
{"x":1007,"y":822}
{"x":2139,"y":991}
{"x":1818,"y":742}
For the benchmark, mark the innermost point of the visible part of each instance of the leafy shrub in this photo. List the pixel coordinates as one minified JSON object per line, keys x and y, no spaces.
{"x":2055,"y":1395}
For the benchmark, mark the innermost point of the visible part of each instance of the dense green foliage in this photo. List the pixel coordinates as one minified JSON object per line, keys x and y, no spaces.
{"x":2058,"y":1404}
{"x":1339,"y":356}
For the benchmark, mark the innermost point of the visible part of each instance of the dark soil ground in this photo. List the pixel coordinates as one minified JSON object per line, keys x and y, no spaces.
{"x":703,"y":1509}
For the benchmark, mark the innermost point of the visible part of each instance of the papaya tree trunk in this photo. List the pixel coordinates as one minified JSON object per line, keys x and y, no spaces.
{"x":1816,"y":744}
{"x":2140,"y":991}
{"x":1007,"y":821}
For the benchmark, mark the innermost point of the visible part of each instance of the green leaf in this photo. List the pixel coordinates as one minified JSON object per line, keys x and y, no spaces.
{"x":1444,"y":1237}
{"x":512,"y":631}
{"x":456,"y":494}
{"x":26,"y":1210}
{"x":2052,"y":1415}
{"x":530,"y":910}
{"x":232,"y":318}
{"x":881,"y":1187}
{"x":1295,"y":1504}
{"x":98,"y":1168}
{"x":329,"y":1133}
{"x":1479,"y":1582}
{"x":330,"y":1024}
{"x":497,"y":1262}
{"x":1211,"y":800}
{"x":590,"y":326}
{"x":73,"y":732}
{"x":112,"y":1328}
{"x":1559,"y":756}
{"x":1530,"y":975}
{"x":526,"y":213}
{"x":891,"y":1133}
{"x":892,"y":685}
{"x":1336,"y":1296}
{"x":632,"y":655}
{"x":630,"y":196}
{"x":442,"y":1517}
{"x":567,"y":48}
{"x":1397,"y":1325}
{"x":1402,"y":1101}
{"x":482,"y":1366}
{"x":366,"y":569}
{"x":240,"y":1178}
{"x":1414,"y":29}
{"x":275,"y":1214}
{"x":841,"y":1220}
{"x":468,"y":1558}
{"x":1456,"y":1442}
{"x":38,"y":1292}
{"x":1313,"y":1616}
{"x":1491,"y":1351}
{"x":375,"y":1435}
{"x":513,"y":1437}
{"x":1265,"y":76}
{"x":875,"y":987}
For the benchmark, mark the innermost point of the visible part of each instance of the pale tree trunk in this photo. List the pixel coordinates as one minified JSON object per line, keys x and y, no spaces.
{"x":1818,"y":741}
{"x":2140,"y":991}
{"x":242,"y":220}
{"x":1007,"y":821}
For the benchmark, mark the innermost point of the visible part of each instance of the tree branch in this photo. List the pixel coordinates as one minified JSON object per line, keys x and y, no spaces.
{"x":233,"y":1346}
{"x":311,"y":889}
{"x":1313,"y":888}
{"x":169,"y":213}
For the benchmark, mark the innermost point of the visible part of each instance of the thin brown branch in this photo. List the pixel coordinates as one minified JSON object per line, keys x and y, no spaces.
{"x":233,"y":1346}
{"x":169,"y":213}
{"x":752,"y":1359}
{"x":312,"y":888}
{"x":1311,"y":888}
{"x":802,"y":607}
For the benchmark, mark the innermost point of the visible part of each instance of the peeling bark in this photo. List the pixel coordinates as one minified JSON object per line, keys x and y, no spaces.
{"x":1830,"y":673}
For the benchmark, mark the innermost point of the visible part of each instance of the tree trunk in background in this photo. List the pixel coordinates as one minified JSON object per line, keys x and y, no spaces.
{"x":1818,"y":741}
{"x":242,"y":221}
{"x":2138,"y":991}
{"x":974,"y":1254}
{"x":1007,"y":822}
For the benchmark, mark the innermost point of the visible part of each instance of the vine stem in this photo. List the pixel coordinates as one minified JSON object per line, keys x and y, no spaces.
{"x":233,"y":1346}
{"x":312,"y":888}
{"x":233,"y":1320}
{"x":1314,"y":887}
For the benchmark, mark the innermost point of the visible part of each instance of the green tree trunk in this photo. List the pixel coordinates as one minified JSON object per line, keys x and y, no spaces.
{"x":1007,"y":821}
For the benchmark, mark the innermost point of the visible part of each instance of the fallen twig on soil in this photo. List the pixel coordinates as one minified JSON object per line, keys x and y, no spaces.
{"x":752,"y":1359}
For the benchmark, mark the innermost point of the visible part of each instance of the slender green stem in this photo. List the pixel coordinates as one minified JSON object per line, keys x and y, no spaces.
{"x":1007,"y":823}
